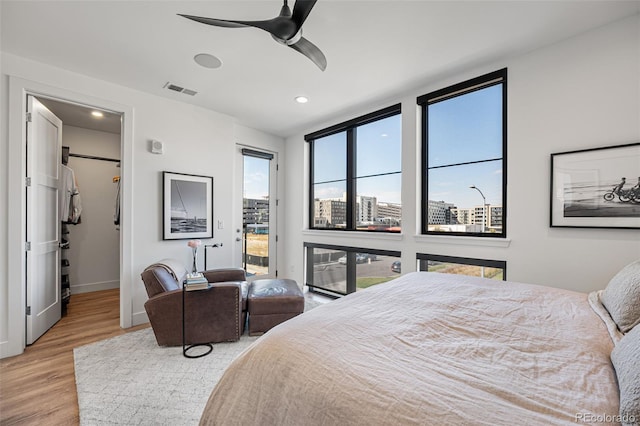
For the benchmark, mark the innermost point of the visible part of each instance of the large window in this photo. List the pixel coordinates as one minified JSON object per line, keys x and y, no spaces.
{"x":356,"y":174}
{"x":464,"y":158}
{"x":339,"y":270}
{"x":493,"y":269}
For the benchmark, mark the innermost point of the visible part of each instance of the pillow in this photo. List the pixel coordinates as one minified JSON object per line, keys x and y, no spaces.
{"x":626,"y":360}
{"x":595,"y":301}
{"x":622,"y":297}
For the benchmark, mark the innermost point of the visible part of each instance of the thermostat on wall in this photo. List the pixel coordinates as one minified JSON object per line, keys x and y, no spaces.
{"x":156,"y":147}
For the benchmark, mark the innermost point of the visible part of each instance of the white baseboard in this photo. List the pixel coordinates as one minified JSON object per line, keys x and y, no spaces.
{"x":90,"y":287}
{"x":7,"y":350}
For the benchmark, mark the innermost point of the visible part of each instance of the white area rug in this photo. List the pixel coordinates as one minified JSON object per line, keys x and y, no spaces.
{"x":130,"y":380}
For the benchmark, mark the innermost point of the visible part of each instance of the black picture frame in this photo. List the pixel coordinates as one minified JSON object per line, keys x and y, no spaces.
{"x":583,"y":188}
{"x":187,"y":206}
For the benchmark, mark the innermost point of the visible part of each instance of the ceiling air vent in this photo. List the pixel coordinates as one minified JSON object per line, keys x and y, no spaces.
{"x":179,"y":89}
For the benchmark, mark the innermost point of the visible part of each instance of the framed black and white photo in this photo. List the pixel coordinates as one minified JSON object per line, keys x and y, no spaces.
{"x":596,"y":188}
{"x":187,"y":206}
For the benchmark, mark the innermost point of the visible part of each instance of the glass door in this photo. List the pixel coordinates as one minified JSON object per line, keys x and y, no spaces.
{"x":258,"y":240}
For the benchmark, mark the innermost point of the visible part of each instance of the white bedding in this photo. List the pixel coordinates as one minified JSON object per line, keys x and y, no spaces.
{"x":427,"y":348}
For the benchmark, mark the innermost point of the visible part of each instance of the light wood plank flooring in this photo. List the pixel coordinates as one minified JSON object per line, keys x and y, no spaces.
{"x":38,"y":387}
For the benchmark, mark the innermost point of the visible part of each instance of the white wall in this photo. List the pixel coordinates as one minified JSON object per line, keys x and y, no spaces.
{"x":94,"y":249}
{"x":196,"y":141}
{"x":581,"y":93}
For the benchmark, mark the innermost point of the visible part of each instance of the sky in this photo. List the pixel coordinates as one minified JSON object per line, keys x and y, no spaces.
{"x":256,"y":177}
{"x":463,"y":129}
{"x":378,"y":152}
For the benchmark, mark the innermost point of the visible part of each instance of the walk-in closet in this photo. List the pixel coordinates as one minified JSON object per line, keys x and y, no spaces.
{"x":90,"y":229}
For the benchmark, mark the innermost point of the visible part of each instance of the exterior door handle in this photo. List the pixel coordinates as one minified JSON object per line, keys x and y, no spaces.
{"x":238,"y":239}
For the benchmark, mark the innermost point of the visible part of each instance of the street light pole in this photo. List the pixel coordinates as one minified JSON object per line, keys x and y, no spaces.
{"x":484,"y":207}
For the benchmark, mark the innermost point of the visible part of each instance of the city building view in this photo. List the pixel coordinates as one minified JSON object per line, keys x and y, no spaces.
{"x":446,"y":217}
{"x":255,"y":220}
{"x":373,"y":215}
{"x":255,"y":212}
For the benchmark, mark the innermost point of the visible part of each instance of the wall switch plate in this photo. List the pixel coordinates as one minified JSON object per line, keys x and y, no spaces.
{"x":220,"y":224}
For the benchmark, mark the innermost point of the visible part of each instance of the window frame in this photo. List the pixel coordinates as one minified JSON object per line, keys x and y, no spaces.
{"x":487,"y":263}
{"x":351,"y":267}
{"x":460,"y":89}
{"x":349,"y":128}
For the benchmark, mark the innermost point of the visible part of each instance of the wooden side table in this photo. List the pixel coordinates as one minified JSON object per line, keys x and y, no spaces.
{"x":185,"y":347}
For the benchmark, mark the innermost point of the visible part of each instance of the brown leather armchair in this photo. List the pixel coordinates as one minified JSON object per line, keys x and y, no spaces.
{"x":217,"y":314}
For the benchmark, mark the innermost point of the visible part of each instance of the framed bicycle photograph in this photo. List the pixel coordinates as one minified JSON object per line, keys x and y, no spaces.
{"x":596,"y":188}
{"x":187,"y":207}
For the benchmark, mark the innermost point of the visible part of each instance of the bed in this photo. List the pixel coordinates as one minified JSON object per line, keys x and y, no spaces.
{"x":429,"y":348}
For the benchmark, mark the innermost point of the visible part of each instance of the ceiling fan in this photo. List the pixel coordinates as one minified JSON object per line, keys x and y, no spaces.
{"x":285,"y":28}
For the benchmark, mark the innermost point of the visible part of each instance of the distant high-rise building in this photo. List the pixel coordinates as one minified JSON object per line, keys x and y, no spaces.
{"x":389,"y":211}
{"x":439,"y":213}
{"x":475,"y":216}
{"x":495,"y":217}
{"x":462,"y":216}
{"x":367,"y":209}
{"x":330,"y":213}
{"x":255,"y":210}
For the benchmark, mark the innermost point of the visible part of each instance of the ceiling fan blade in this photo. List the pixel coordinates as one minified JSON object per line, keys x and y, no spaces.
{"x":215,"y":22}
{"x":282,"y":28}
{"x":301,"y":10}
{"x":310,"y":50}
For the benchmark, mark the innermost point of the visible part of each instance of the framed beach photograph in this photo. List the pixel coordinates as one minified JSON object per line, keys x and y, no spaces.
{"x":596,"y":188}
{"x":187,"y":204}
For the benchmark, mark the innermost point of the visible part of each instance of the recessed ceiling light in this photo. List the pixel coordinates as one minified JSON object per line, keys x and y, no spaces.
{"x":97,"y":114}
{"x":208,"y":61}
{"x":301,"y":99}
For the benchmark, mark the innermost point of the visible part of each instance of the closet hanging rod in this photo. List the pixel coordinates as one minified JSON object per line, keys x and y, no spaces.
{"x":93,"y":157}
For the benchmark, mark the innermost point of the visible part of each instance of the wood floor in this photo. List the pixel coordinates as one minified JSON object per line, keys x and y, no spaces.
{"x":38,"y":387}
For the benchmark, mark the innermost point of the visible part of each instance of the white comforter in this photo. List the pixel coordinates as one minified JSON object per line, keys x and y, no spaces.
{"x":425,"y":349}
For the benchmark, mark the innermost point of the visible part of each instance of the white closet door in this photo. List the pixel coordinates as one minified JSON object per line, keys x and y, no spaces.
{"x":44,"y":140}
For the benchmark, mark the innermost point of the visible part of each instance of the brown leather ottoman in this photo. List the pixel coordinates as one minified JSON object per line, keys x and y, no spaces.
{"x":272,"y":301}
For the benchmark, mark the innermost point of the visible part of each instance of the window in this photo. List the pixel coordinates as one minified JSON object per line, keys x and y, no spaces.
{"x":464,"y":158}
{"x":338,"y":270}
{"x":355,"y":178}
{"x":258,"y":212}
{"x":494,"y":269}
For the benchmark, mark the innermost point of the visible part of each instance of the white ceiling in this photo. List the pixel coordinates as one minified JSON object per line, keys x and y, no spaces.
{"x":375,"y":49}
{"x":80,"y":116}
